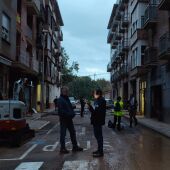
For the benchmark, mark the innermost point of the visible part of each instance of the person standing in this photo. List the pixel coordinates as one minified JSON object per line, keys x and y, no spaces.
{"x":66,"y":115}
{"x":55,"y":103}
{"x":118,"y":113}
{"x":133,"y":104}
{"x":98,"y":114}
{"x":82,"y":103}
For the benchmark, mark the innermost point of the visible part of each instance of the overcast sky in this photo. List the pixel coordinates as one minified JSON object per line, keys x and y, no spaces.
{"x":85,"y":34}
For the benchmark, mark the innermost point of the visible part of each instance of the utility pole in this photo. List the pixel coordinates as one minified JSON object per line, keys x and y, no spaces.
{"x":94,"y":76}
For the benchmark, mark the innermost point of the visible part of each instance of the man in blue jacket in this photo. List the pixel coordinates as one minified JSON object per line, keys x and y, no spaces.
{"x":98,"y":114}
{"x":66,"y":114}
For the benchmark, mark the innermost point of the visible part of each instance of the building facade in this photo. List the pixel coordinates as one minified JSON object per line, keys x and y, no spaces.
{"x":28,"y":54}
{"x":138,"y":34}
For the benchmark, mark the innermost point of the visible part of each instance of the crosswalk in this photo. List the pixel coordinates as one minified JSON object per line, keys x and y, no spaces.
{"x":29,"y":166}
{"x":68,"y":165}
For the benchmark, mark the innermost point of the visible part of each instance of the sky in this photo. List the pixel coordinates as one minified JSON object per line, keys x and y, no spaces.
{"x":85,"y":34}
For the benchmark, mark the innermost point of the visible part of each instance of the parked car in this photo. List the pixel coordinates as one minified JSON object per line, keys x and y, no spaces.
{"x":109,"y":104}
{"x":73,"y":102}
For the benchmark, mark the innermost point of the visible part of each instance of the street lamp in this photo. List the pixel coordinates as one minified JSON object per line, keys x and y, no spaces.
{"x":45,"y":32}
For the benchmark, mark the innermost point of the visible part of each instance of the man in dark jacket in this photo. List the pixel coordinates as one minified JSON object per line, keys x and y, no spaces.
{"x":98,"y":114}
{"x":66,"y":114}
{"x":82,"y":103}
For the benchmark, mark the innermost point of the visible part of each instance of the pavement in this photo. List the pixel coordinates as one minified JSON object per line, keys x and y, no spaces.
{"x":153,"y":124}
{"x":35,"y":122}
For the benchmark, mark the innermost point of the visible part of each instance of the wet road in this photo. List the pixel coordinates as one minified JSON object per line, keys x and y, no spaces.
{"x":130,"y":149}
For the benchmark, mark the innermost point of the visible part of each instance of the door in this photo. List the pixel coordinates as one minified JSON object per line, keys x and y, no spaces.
{"x":156,"y":102}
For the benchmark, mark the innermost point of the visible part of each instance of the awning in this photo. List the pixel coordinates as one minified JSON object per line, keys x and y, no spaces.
{"x":5,"y":61}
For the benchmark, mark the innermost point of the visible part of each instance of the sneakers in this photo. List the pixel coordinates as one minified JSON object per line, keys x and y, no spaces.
{"x":98,"y":154}
{"x":77,"y":149}
{"x":64,"y":151}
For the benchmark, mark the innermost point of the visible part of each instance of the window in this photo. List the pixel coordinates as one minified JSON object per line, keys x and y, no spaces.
{"x":5,"y":27}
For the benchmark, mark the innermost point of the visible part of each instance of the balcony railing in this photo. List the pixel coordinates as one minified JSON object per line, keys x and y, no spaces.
{"x":118,"y":36}
{"x":33,"y":6}
{"x":28,"y":32}
{"x":125,"y":44}
{"x":164,"y":4}
{"x":124,"y":70}
{"x":151,"y":56}
{"x":164,"y":46}
{"x":150,"y":17}
{"x":125,"y":21}
{"x":110,"y":36}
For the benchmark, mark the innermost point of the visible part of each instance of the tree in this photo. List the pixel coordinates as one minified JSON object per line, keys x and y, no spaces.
{"x":84,"y":86}
{"x":68,"y":72}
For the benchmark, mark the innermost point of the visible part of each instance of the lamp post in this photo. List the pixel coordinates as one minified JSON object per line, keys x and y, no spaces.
{"x":45,"y":32}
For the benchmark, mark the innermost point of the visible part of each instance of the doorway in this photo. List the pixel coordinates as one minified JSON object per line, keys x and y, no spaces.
{"x":156,"y":102}
{"x":142,"y":102}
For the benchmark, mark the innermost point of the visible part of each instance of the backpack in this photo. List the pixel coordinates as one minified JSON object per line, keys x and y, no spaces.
{"x":117,"y":107}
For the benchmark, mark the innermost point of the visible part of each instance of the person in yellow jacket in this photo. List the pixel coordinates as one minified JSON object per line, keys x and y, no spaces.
{"x":118,"y":113}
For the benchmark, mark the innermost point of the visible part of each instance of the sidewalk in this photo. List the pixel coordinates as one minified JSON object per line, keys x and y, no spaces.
{"x":35,"y":122}
{"x":155,"y":125}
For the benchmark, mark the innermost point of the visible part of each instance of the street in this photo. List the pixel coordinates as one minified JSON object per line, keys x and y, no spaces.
{"x":130,"y":149}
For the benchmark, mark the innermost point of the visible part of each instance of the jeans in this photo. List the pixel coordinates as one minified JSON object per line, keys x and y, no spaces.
{"x":117,"y":119}
{"x":64,"y":125}
{"x":99,"y":136}
{"x":133,"y":117}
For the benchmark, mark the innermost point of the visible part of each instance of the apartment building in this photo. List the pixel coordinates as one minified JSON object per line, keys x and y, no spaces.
{"x":7,"y":43}
{"x":143,"y":68}
{"x":50,"y":22}
{"x":30,"y":50}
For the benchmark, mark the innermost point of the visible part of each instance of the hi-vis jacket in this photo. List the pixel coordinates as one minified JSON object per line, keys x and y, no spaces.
{"x":119,"y":113}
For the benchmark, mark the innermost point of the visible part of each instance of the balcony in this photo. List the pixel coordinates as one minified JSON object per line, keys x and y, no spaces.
{"x":150,"y":57}
{"x":137,"y":71}
{"x":28,"y":33}
{"x":109,"y":67}
{"x":114,"y":25}
{"x":118,"y":15}
{"x":124,"y":70}
{"x":150,"y":17}
{"x":118,"y":36}
{"x":125,"y":44}
{"x":60,"y":35}
{"x":114,"y":41}
{"x":125,"y":1}
{"x":139,"y":34}
{"x":121,"y":5}
{"x":33,"y":6}
{"x":121,"y":29}
{"x":109,"y":37}
{"x":120,"y":51}
{"x":125,"y":21}
{"x":164,"y":5}
{"x":164,"y":47}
